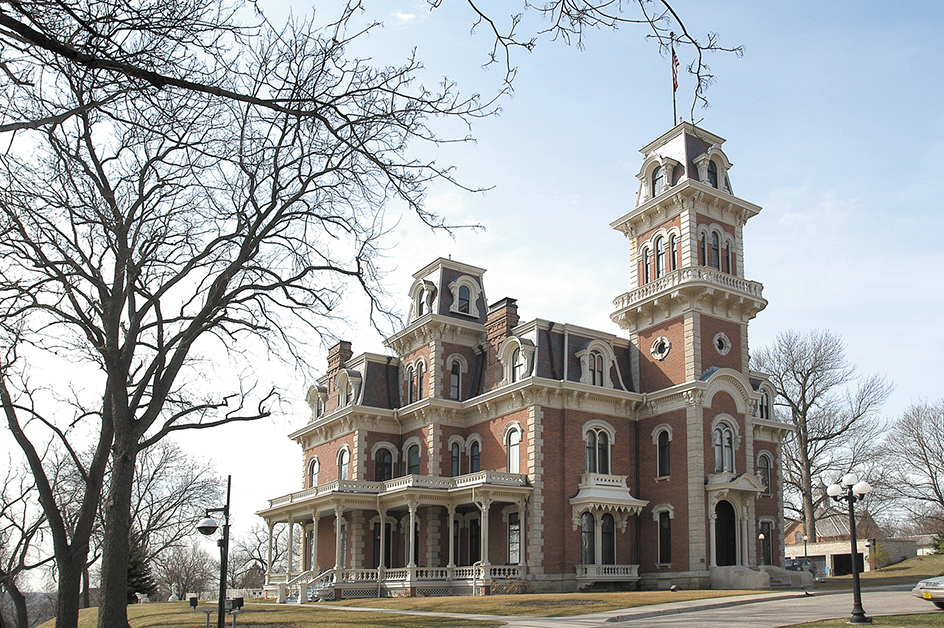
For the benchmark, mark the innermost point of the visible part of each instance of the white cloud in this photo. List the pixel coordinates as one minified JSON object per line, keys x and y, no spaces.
{"x":404,"y":18}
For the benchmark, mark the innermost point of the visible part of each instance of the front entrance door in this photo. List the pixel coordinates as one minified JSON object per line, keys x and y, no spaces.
{"x":725,"y":534}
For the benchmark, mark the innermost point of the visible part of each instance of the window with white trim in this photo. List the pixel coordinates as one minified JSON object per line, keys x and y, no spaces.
{"x":413,"y":460}
{"x":513,"y":443}
{"x":645,"y":265}
{"x":658,"y":181}
{"x":588,"y":529}
{"x":763,"y":406}
{"x":663,"y":452}
{"x":465,"y":293}
{"x":660,"y":257}
{"x":662,"y":515}
{"x":514,"y":538}
{"x":723,"y":439}
{"x":455,"y":380}
{"x":313,"y":467}
{"x":597,"y":441}
{"x":420,"y":372}
{"x":475,"y":457}
{"x":383,"y":465}
{"x":608,"y":539}
{"x":673,"y":252}
{"x":456,"y":452}
{"x":411,"y":385}
{"x":763,"y":471}
{"x":344,"y":462}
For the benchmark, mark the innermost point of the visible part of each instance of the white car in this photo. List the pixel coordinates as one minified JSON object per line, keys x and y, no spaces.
{"x":932,"y":590}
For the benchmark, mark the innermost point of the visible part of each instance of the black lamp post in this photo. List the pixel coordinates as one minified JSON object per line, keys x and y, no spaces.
{"x":207,"y":527}
{"x":850,"y":492}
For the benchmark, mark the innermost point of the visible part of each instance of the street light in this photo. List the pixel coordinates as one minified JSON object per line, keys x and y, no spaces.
{"x":761,"y":538}
{"x":207,"y":527}
{"x":806,"y":554}
{"x":851,"y":491}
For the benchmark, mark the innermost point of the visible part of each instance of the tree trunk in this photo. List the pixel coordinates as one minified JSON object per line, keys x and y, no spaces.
{"x":113,"y":597}
{"x":86,"y":601}
{"x":67,"y":597}
{"x":19,"y":605}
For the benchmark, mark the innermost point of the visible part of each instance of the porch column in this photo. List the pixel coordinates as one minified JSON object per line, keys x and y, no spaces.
{"x":411,"y":533}
{"x":314,"y":542}
{"x":291,"y":546}
{"x":269,"y":563}
{"x":484,"y":504}
{"x":381,"y":560}
{"x":746,"y":541}
{"x":598,"y":537}
{"x":712,"y":540}
{"x":338,"y":513}
{"x":451,"y":513}
{"x":522,"y":546}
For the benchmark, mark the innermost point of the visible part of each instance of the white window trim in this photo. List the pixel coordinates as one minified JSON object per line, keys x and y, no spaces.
{"x":385,"y":445}
{"x":763,"y":453}
{"x":463,"y":370}
{"x":413,"y":440}
{"x":525,"y":357}
{"x":341,"y":382}
{"x":474,"y":292}
{"x":667,"y":348}
{"x":421,"y":291}
{"x":656,"y":511}
{"x":609,"y":359}
{"x":599,"y":425}
{"x":656,"y":431}
{"x":350,"y":460}
{"x":723,"y":338}
{"x":313,"y":462}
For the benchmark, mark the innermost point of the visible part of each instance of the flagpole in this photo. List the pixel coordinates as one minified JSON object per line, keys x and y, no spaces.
{"x":674,"y":63}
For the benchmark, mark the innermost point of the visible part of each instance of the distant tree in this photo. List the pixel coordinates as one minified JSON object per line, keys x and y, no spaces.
{"x":913,"y":452}
{"x":252,"y":548}
{"x":187,"y":568}
{"x":832,"y":411}
{"x":140,"y":579}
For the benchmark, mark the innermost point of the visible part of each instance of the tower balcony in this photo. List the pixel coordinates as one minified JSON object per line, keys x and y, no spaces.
{"x":693,"y":288}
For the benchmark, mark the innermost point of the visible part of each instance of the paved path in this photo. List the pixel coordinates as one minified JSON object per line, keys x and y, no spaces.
{"x":770,"y":610}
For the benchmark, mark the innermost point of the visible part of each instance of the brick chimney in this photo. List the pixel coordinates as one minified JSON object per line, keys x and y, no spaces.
{"x":338,"y":355}
{"x":502,"y":318}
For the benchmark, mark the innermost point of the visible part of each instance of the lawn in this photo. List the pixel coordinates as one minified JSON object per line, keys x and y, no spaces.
{"x":897,"y":621}
{"x":539,"y":605}
{"x":179,"y":615}
{"x":905,"y":572}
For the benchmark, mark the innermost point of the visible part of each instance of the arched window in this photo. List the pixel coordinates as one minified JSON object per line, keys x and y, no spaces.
{"x":516,"y":365}
{"x":410,"y":374}
{"x":420,"y":372}
{"x":596,"y":368}
{"x":413,"y":460}
{"x":673,"y":253}
{"x":464,"y":299}
{"x":645,"y":265}
{"x":724,"y":448}
{"x":704,"y":250}
{"x":763,"y":406}
{"x":663,"y":454}
{"x":715,"y":250}
{"x":383,"y":465}
{"x":348,"y":393}
{"x":587,"y":539}
{"x":665,"y":538}
{"x":657,"y":181}
{"x":727,"y":258}
{"x":712,"y":174}
{"x":660,"y":257}
{"x":313,"y":467}
{"x":598,"y":451}
{"x":455,"y":460}
{"x":344,"y":459}
{"x":514,"y":458}
{"x":475,"y":457}
{"x":455,"y":380}
{"x":608,"y":534}
{"x":763,"y":471}
{"x":420,"y":306}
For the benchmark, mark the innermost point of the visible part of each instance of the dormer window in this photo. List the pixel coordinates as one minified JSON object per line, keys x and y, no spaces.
{"x":596,"y":359}
{"x":516,"y":365}
{"x":712,"y":174}
{"x":463,"y":299}
{"x":516,"y":357}
{"x":596,"y":368}
{"x":658,"y":180}
{"x":465,"y":293}
{"x":763,"y":406}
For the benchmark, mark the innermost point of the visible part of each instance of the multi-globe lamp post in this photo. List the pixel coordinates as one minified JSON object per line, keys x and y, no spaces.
{"x":207,"y":527}
{"x":851,"y":491}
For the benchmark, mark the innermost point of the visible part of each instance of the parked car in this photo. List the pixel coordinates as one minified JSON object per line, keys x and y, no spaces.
{"x":799,"y":564}
{"x":932,"y":590}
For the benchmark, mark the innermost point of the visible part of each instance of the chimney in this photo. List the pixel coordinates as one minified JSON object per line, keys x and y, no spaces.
{"x":338,"y":355}
{"x":502,"y":318}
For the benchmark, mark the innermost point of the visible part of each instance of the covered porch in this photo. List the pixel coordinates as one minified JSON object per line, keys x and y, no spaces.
{"x":467,"y":537}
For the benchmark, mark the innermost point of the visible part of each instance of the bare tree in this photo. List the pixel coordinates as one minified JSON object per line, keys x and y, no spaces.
{"x":830,"y":408}
{"x":913,"y":453}
{"x":184,"y":192}
{"x":253,"y":548}
{"x":21,"y":531}
{"x":186,"y":568}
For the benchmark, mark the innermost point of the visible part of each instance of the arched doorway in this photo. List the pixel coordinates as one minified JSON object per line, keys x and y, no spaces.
{"x":725,"y":534}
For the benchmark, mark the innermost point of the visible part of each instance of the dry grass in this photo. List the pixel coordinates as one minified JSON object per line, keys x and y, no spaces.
{"x":905,"y":572}
{"x":539,"y":605}
{"x":179,"y":615}
{"x":896,"y":621}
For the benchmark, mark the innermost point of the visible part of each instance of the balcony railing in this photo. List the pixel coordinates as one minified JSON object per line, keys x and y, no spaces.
{"x":608,"y":572}
{"x":692,"y":274}
{"x":479,"y":478}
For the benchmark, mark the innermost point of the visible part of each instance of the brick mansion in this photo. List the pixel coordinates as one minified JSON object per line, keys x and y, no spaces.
{"x":483,"y":453}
